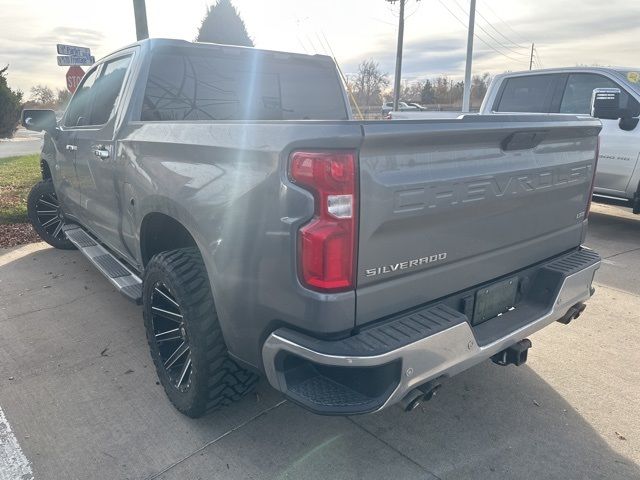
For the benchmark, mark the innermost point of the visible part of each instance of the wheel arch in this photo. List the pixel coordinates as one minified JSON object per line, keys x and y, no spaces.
{"x":159,"y":213}
{"x":160,"y":232}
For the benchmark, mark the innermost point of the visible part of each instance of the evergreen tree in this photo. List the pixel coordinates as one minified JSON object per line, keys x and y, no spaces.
{"x":10,"y":106}
{"x":223,"y":24}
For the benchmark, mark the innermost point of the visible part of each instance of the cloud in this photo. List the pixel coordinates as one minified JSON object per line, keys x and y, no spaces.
{"x":73,"y":36}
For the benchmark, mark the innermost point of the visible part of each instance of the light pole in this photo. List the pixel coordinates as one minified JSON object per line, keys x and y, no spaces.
{"x":466,"y":95}
{"x":140,"y":13}
{"x":398,"y":77}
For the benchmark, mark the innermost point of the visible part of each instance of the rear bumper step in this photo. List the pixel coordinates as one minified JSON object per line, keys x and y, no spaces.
{"x":126,"y":281}
{"x":382,"y":364}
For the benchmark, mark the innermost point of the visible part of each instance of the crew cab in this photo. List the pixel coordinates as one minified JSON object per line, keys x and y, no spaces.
{"x":355,"y":264}
{"x":569,"y":91}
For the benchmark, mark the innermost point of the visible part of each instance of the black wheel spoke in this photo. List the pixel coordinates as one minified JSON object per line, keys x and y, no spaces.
{"x":169,"y":299}
{"x":58,"y":229}
{"x":174,"y":317}
{"x":54,"y":205}
{"x":175,"y":356}
{"x":50,"y":222}
{"x":183,"y":372}
{"x":171,"y":337}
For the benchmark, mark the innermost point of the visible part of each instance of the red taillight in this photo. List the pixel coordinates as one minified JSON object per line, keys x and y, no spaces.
{"x":593,"y":179}
{"x":327,"y":243}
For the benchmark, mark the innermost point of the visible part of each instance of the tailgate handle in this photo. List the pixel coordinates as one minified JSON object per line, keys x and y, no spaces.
{"x":523,"y":140}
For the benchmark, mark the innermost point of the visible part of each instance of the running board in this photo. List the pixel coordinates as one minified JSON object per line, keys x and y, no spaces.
{"x":127,"y":282}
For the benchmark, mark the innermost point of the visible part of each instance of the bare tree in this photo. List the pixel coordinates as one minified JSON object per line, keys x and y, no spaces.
{"x":368,"y":83}
{"x":62,"y":98}
{"x":479,"y":87}
{"x":411,"y":91}
{"x":43,"y":95}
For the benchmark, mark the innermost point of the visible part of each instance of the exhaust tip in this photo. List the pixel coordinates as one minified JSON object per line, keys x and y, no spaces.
{"x":420,"y":394}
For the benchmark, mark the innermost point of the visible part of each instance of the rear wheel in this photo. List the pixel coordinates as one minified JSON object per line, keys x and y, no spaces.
{"x":45,"y":215}
{"x":184,"y":336}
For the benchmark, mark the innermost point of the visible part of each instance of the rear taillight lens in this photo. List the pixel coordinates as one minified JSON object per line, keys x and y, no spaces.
{"x":593,"y":179}
{"x":327,"y":244}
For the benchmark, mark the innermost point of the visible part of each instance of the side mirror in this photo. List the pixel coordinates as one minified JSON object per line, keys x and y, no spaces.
{"x":39,"y":120}
{"x":605,"y":104}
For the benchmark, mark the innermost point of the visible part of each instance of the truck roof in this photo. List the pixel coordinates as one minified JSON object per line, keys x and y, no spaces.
{"x":154,"y":43}
{"x":569,"y":69}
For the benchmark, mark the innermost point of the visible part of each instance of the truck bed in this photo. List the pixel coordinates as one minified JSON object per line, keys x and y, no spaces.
{"x":444,"y":205}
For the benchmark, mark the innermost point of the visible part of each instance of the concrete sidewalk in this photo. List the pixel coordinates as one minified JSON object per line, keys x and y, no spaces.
{"x":79,"y":390}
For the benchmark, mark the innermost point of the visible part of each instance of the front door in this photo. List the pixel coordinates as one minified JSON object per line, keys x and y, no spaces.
{"x":618,"y":148}
{"x":68,"y":184}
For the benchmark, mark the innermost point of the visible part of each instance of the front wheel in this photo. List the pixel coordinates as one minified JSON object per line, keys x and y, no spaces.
{"x":45,"y":215}
{"x":184,"y":335}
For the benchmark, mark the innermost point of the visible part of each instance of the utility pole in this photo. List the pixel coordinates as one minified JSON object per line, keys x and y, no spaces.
{"x":140,"y":13}
{"x":396,"y":81}
{"x":466,"y":95}
{"x":531,"y":57}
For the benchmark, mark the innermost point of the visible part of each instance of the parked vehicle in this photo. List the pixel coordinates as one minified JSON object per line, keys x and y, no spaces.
{"x":569,"y":90}
{"x":424,"y":114}
{"x":353,"y":263}
{"x":402,"y":106}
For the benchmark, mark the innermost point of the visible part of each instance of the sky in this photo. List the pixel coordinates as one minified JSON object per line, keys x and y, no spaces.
{"x":565,"y":32}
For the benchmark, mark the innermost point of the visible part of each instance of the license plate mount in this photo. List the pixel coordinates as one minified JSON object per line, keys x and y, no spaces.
{"x":494,"y":299}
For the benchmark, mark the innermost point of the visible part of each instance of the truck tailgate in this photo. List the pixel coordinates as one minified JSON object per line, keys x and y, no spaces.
{"x":449,"y":204}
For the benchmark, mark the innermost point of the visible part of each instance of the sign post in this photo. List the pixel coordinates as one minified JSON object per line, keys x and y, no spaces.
{"x":74,"y":75}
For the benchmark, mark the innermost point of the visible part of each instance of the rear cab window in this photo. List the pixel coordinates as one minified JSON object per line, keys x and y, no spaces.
{"x":224,"y":84}
{"x":527,"y":93}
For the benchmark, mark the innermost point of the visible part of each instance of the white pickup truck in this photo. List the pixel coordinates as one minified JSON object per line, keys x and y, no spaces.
{"x":569,"y":90}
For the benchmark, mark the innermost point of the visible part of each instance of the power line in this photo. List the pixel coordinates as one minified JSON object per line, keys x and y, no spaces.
{"x":499,"y":32}
{"x":506,"y":47}
{"x":522,"y":39}
{"x":478,"y":36}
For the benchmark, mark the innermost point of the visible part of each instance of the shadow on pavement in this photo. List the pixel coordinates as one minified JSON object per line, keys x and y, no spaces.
{"x":615,"y":234}
{"x":80,"y":411}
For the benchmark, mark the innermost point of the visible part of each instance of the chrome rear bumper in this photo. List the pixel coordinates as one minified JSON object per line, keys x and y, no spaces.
{"x":442,"y":354}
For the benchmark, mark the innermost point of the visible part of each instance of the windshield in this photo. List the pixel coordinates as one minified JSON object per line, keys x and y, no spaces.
{"x":632,"y":76}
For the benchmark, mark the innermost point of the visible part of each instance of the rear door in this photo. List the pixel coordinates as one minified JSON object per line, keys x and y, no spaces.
{"x":95,"y":156}
{"x":449,"y":204}
{"x":619,"y":149}
{"x":529,"y":93}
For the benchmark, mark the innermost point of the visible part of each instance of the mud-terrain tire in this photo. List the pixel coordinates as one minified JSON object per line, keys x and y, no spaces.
{"x":45,"y":215}
{"x":180,"y":316}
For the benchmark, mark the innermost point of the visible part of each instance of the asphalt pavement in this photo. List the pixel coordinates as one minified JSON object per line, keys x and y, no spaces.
{"x":79,"y":397}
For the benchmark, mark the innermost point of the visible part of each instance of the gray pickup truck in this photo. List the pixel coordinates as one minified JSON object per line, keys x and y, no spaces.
{"x":355,"y":264}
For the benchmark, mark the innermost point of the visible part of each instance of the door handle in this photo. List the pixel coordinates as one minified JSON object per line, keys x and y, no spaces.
{"x":71,"y":148}
{"x":101,"y":152}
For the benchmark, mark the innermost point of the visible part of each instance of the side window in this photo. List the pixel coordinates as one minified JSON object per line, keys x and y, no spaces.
{"x":108,"y":88}
{"x":531,"y":94}
{"x":577,"y":93}
{"x":80,"y":107}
